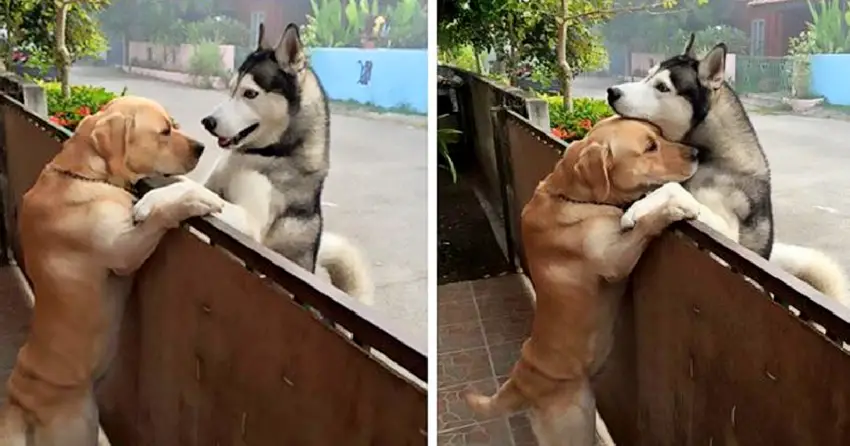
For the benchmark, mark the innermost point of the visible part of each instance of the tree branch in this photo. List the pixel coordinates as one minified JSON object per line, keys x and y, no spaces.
{"x":611,"y":11}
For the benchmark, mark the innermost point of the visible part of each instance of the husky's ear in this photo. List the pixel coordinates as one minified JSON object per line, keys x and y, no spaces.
{"x":712,"y":67}
{"x":290,"y":52}
{"x":261,"y":40}
{"x":689,"y":48}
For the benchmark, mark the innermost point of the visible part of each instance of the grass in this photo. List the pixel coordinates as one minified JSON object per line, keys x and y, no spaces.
{"x":401,"y":110}
{"x":838,"y":108}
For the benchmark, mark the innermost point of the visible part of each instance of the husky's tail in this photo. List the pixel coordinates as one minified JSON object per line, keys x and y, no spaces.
{"x":813,"y":267}
{"x":346,"y":267}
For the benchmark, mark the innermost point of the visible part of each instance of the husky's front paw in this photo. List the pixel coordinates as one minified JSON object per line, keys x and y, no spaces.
{"x":238,"y":218}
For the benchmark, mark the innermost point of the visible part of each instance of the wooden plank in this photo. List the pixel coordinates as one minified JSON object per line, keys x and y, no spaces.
{"x":723,"y":364}
{"x":235,"y":361}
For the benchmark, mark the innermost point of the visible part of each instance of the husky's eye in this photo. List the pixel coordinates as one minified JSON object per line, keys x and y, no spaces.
{"x":652,"y":146}
{"x":250,"y":94}
{"x":662,"y":87}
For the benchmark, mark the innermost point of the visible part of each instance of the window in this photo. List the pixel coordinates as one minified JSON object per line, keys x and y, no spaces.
{"x":257,"y":17}
{"x":757,"y":37}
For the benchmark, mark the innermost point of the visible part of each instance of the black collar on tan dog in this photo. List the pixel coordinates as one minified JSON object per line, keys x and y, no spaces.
{"x":76,"y":176}
{"x":623,"y":206}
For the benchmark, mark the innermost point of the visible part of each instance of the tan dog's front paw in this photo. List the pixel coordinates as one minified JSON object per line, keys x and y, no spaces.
{"x":665,"y":205}
{"x":177,"y":202}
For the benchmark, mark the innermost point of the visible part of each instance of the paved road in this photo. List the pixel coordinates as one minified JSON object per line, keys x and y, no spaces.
{"x":810,"y":164}
{"x":376,"y":192}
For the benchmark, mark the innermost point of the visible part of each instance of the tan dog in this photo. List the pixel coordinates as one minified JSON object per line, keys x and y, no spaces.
{"x":579,"y":261}
{"x":78,"y":236}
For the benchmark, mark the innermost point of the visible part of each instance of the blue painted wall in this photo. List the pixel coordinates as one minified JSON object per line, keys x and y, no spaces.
{"x":829,"y":77}
{"x":398,"y":78}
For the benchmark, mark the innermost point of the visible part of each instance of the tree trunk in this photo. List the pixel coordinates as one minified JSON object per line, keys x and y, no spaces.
{"x":11,"y":30}
{"x":479,"y":66}
{"x":565,"y":72}
{"x":63,"y":56}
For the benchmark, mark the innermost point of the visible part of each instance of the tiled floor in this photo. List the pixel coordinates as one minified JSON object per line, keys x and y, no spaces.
{"x":481,"y":326}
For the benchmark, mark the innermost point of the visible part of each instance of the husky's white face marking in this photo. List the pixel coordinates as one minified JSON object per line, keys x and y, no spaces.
{"x":654,"y":99}
{"x":251,"y":116}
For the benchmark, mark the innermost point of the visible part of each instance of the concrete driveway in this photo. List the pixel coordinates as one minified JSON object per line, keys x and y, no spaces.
{"x":376,"y":192}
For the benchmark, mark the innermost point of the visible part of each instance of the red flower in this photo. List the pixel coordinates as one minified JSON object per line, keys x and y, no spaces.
{"x":585,"y":124}
{"x":55,"y":119}
{"x":561,"y":133}
{"x":83,"y":111}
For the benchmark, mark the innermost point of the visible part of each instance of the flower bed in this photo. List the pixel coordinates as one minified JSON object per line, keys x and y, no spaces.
{"x":84,"y":100}
{"x":573,"y":126}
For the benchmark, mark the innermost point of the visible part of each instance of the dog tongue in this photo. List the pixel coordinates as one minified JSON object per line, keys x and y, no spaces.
{"x":223,"y":142}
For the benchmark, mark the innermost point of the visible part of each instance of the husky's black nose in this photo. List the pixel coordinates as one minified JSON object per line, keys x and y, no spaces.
{"x":197,"y":148}
{"x":209,"y":123}
{"x":614,"y":93}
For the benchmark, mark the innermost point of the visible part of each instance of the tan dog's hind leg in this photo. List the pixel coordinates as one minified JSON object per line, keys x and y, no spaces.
{"x":77,"y":425}
{"x":507,"y":400}
{"x":568,"y":421}
{"x":13,"y":428}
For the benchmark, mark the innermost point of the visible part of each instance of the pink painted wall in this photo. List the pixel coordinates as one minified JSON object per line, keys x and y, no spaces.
{"x":174,"y":58}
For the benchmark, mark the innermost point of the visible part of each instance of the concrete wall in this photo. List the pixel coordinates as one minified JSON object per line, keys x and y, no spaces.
{"x":173,"y":58}
{"x":829,"y":73}
{"x":397,"y":78}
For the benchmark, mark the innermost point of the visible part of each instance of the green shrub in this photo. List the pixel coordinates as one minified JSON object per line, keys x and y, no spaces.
{"x":462,"y":56}
{"x":83,"y":101}
{"x":206,"y":61}
{"x":573,"y":126}
{"x":223,"y":30}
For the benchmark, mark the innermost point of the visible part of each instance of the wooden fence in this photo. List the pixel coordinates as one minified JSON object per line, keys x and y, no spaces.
{"x":707,"y":351}
{"x":211,"y":352}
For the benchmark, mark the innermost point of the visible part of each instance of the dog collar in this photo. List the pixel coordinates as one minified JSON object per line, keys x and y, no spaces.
{"x":279,"y":150}
{"x":623,"y":206}
{"x":76,"y":176}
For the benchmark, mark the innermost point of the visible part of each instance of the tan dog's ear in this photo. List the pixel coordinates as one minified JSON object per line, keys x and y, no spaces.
{"x":592,"y":168}
{"x":111,"y":137}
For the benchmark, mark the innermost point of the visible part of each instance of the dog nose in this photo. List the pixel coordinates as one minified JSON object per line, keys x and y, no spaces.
{"x":614,"y":93}
{"x":209,"y":123}
{"x":197,"y":148}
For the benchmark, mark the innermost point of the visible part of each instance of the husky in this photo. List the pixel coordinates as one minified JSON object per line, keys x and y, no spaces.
{"x":276,"y":126}
{"x":689,"y":99}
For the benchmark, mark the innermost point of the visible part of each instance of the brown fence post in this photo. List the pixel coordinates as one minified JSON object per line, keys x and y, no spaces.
{"x":498,"y":118}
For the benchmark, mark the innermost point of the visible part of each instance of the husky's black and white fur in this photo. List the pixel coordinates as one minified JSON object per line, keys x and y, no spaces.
{"x":276,"y":124}
{"x":689,"y":99}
